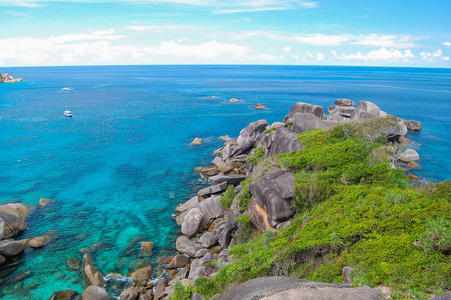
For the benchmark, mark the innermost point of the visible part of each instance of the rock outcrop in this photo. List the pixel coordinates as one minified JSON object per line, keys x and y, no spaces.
{"x":5,"y":78}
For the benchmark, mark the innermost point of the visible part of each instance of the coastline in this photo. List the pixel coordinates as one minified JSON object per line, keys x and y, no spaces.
{"x":203,"y":165}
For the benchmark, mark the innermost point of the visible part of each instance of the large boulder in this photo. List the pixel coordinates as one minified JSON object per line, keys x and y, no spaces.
{"x":192,"y":222}
{"x":128,"y":294}
{"x":344,"y":102}
{"x":10,"y":248}
{"x":188,"y":204}
{"x":142,"y":274}
{"x":284,"y":288}
{"x":308,"y":108}
{"x":413,"y":125}
{"x":234,"y":179}
{"x":186,"y":246}
{"x":366,"y":110}
{"x":95,"y":293}
{"x":14,"y":215}
{"x":285,"y":141}
{"x":66,"y":295}
{"x":259,"y":217}
{"x":2,"y":228}
{"x":92,"y":275}
{"x":409,"y":155}
{"x":178,"y":261}
{"x":161,"y":285}
{"x":253,"y":130}
{"x":211,"y":209}
{"x":274,"y":192}
{"x":245,"y":144}
{"x":306,"y":121}
{"x":213,"y":189}
{"x":40,"y":241}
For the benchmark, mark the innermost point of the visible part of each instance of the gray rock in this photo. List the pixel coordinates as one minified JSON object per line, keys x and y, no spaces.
{"x":234,"y":179}
{"x":66,"y":295}
{"x":179,"y":219}
{"x":2,"y":259}
{"x":244,"y":146}
{"x":186,"y":246}
{"x":259,"y":217}
{"x":285,"y":141}
{"x":253,"y":129}
{"x":214,"y":189}
{"x":2,"y":228}
{"x":283,"y":225}
{"x":283,"y":288}
{"x":161,"y":286}
{"x":14,"y":215}
{"x":268,"y":192}
{"x":211,"y":209}
{"x":344,"y":102}
{"x":365,"y":110}
{"x":305,"y":121}
{"x":188,"y":204}
{"x":413,"y":125}
{"x":361,"y":115}
{"x":441,"y":297}
{"x":192,"y":222}
{"x":301,"y":107}
{"x":225,"y":236}
{"x":10,"y":248}
{"x":129,"y":294}
{"x":142,"y":274}
{"x":95,"y":293}
{"x":226,"y":151}
{"x":196,"y":296}
{"x":346,"y":274}
{"x":277,"y":125}
{"x":409,"y":155}
{"x":201,"y":253}
{"x":208,"y":239}
{"x":178,"y":261}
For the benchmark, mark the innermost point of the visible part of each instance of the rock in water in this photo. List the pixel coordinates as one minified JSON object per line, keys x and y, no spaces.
{"x":196,"y":141}
{"x":66,"y":295}
{"x":259,"y":106}
{"x":409,"y":155}
{"x":146,"y":248}
{"x":39,"y":241}
{"x":95,"y":293}
{"x":73,"y":264}
{"x":142,"y":274}
{"x":10,"y":248}
{"x":413,"y":125}
{"x":234,"y":100}
{"x":413,"y":165}
{"x":14,"y":215}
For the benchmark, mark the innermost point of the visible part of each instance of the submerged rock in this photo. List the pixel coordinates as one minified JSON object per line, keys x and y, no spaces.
{"x":66,"y":295}
{"x":95,"y":293}
{"x":196,"y":141}
{"x":73,"y":264}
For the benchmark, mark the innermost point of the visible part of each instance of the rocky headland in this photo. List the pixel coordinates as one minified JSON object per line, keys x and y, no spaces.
{"x":248,"y":223}
{"x":5,"y":78}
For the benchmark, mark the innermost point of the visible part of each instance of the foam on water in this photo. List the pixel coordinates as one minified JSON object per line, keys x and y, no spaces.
{"x":118,"y":168}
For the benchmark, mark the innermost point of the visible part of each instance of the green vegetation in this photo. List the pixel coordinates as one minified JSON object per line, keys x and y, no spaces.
{"x":181,"y":293}
{"x":227,"y":199}
{"x":268,"y":131}
{"x":352,"y":209}
{"x":258,"y":156}
{"x":245,"y":228}
{"x":244,"y":197}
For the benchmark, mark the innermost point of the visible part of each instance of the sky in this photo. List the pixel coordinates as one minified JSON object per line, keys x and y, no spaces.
{"x":400,"y":33}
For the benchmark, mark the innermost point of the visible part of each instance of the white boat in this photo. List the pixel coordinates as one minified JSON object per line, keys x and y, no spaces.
{"x":67,"y":113}
{"x":67,"y":88}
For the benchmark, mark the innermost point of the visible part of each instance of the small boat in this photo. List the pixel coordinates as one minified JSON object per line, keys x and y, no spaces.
{"x":67,"y":88}
{"x":68,"y":113}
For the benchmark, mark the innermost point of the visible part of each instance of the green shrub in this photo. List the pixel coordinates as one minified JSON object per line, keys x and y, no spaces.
{"x":268,"y":131}
{"x":245,"y":228}
{"x":227,"y":199}
{"x":244,"y":197}
{"x":181,"y":293}
{"x":257,"y":156}
{"x":436,"y":237}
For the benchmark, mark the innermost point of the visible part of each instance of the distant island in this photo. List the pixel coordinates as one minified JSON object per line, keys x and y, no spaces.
{"x":8,"y":78}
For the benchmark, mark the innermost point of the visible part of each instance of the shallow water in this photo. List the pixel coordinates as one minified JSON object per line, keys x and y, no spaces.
{"x":123,"y":162}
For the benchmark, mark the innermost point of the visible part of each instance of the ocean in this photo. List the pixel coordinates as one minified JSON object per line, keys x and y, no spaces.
{"x":121,"y":164}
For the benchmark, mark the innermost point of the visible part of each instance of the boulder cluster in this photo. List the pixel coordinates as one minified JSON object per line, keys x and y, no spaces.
{"x":8,"y":78}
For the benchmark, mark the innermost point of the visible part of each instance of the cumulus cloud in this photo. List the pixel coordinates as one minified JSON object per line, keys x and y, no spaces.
{"x":447,"y":44}
{"x":434,"y":56}
{"x":382,"y":54}
{"x":287,"y":49}
{"x":319,"y":57}
{"x":104,"y":47}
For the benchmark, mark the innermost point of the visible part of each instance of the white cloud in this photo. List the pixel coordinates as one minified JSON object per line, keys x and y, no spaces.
{"x":230,"y":11}
{"x":434,"y":56}
{"x":319,"y":57}
{"x":295,"y":57}
{"x":287,"y":49}
{"x":447,"y":44}
{"x":392,"y":41}
{"x":378,"y":55}
{"x":320,"y":39}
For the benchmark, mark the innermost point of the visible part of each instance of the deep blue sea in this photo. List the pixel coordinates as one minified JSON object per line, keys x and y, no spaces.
{"x":121,"y":164}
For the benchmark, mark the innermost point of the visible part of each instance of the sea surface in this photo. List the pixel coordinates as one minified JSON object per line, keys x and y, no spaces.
{"x":121,"y":164}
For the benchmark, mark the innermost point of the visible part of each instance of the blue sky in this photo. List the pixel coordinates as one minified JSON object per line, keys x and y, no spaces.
{"x":324,"y":32}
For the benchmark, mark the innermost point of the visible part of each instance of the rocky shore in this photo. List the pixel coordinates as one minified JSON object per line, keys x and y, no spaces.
{"x":5,"y":78}
{"x":210,"y":222}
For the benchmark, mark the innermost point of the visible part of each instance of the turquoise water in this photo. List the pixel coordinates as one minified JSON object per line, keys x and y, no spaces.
{"x":123,"y":162}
